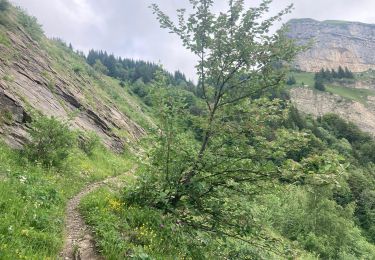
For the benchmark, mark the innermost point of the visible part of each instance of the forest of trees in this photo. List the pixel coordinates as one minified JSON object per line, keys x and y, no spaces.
{"x":327,"y":75}
{"x":132,"y":70}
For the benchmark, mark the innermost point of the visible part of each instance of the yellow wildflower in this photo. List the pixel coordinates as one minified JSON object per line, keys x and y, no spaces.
{"x":115,"y":204}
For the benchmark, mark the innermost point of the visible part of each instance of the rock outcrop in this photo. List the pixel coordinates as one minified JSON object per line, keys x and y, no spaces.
{"x":319,"y":103}
{"x":334,"y":44}
{"x":30,"y":80}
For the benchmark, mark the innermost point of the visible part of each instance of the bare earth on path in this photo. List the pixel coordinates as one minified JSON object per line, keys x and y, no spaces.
{"x":79,"y":241}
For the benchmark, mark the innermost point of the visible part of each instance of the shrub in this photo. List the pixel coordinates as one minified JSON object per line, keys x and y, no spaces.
{"x":319,"y":85}
{"x":6,"y":117}
{"x":8,"y":78}
{"x":99,"y":67}
{"x":140,"y":88}
{"x":31,"y":25}
{"x":88,"y":143}
{"x":77,"y":68}
{"x":51,"y":141}
{"x":291,"y":81}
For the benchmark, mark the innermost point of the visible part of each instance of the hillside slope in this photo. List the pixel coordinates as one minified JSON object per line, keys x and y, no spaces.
{"x":320,"y":103}
{"x":353,"y":100}
{"x":38,"y":75}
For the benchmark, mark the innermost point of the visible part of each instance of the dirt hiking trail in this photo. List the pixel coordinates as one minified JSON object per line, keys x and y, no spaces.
{"x":79,"y":241}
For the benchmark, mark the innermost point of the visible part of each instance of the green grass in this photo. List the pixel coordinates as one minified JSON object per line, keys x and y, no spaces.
{"x":355,"y":94}
{"x":33,"y":199}
{"x":359,"y":95}
{"x":306,"y":78}
{"x":4,"y":40}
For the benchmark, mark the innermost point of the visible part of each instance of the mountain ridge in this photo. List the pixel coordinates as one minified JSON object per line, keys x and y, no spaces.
{"x":333,"y":44}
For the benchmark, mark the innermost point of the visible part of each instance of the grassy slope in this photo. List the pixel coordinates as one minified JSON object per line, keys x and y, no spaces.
{"x":102,"y":87}
{"x":66,"y":62}
{"x":355,"y":94}
{"x":33,"y":199}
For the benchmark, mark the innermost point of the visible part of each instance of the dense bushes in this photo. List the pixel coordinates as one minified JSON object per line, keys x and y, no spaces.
{"x":363,"y":144}
{"x":311,"y":218}
{"x":319,"y":204}
{"x":50,"y":142}
{"x":359,"y":149}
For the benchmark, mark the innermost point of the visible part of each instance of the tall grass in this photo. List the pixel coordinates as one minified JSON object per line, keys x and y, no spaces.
{"x":33,"y":198}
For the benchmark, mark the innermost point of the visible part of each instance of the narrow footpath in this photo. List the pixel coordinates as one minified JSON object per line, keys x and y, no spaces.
{"x":79,"y":241}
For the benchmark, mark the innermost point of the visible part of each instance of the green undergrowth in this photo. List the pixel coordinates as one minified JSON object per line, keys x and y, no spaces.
{"x":125,"y":231}
{"x":327,"y":218}
{"x":33,"y":198}
{"x":138,"y":233}
{"x":289,"y":213}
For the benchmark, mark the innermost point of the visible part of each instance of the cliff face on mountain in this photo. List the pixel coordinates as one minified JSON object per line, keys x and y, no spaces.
{"x":334,"y":44}
{"x":318,"y":103}
{"x":330,"y":44}
{"x":45,"y":77}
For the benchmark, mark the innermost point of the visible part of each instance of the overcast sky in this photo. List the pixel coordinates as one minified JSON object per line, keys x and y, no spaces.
{"x":128,"y":28}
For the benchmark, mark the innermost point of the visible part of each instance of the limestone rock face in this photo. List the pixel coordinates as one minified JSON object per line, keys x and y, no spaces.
{"x":319,"y":103}
{"x":30,"y":82}
{"x":334,"y":44}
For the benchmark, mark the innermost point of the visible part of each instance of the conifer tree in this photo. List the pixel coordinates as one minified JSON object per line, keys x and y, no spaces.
{"x":340,"y":73}
{"x":348,"y":73}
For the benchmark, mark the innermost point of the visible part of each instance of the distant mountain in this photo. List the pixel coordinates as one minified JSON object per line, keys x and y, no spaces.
{"x":334,"y":44}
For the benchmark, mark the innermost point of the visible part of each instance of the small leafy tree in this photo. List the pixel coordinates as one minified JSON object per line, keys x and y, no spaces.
{"x":51,"y":141}
{"x":237,"y":60}
{"x":201,"y":175}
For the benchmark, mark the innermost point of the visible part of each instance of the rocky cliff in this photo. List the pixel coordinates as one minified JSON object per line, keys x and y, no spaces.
{"x":44,"y":76}
{"x":318,"y":103}
{"x":334,"y":44}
